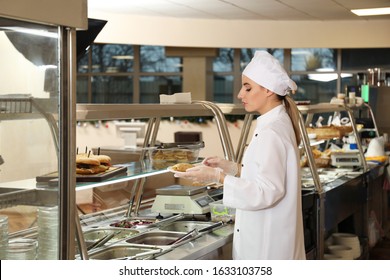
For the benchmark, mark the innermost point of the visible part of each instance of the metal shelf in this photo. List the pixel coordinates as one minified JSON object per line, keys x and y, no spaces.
{"x":22,"y":106}
{"x":90,"y":112}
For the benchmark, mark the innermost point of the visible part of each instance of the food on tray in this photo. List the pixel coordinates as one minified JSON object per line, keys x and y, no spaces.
{"x":327,"y":132}
{"x":182,"y":167}
{"x":89,"y":165}
{"x":316,"y":153}
{"x":130,"y":224}
{"x":321,"y":159}
{"x":173,"y":155}
{"x":163,"y":158}
{"x":168,"y":154}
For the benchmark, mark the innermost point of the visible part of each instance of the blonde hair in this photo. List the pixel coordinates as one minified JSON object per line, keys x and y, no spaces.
{"x":292,"y":111}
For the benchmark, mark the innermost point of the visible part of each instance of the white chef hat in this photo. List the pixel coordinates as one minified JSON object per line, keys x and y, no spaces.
{"x":266,"y":71}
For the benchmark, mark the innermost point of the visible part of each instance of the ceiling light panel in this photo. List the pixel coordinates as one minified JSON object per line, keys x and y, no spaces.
{"x":372,"y":12}
{"x":363,"y":4}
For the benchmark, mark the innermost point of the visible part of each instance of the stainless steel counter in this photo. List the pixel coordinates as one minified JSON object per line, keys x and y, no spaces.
{"x":214,"y":245}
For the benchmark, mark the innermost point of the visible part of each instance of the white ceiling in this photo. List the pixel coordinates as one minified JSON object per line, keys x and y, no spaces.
{"x":322,"y":10}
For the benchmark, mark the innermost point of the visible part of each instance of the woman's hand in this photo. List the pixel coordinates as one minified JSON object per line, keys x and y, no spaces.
{"x":228,"y":167}
{"x":202,"y":174}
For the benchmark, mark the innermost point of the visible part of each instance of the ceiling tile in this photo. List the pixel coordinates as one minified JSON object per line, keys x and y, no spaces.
{"x":241,"y":9}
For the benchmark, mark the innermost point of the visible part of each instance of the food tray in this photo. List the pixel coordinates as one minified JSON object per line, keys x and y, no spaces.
{"x":169,"y":154}
{"x":52,"y":177}
{"x":143,"y":222}
{"x":328,"y":132}
{"x":322,"y":162}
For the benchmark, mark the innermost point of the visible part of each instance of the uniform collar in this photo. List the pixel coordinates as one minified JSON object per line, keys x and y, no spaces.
{"x":263,"y":120}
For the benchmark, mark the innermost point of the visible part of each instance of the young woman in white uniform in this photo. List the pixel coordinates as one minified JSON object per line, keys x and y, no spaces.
{"x":267,"y":194}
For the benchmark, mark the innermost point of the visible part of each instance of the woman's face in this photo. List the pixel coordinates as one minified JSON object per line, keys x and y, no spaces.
{"x":253,"y":96}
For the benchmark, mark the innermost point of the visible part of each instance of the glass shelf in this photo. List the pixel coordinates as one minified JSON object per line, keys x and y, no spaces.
{"x":135,"y":170}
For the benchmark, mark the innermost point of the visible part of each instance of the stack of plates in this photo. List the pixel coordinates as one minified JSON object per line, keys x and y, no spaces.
{"x":350,"y":240}
{"x":48,"y":231}
{"x":344,"y":252}
{"x":22,"y":249}
{"x":3,"y":237}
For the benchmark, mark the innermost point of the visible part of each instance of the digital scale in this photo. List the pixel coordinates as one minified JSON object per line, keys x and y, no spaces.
{"x":182,"y":199}
{"x":347,"y":158}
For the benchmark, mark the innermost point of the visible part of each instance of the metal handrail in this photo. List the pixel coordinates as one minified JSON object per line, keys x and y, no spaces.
{"x":243,"y":137}
{"x":358,"y":140}
{"x":309,"y":154}
{"x":150,"y":140}
{"x":222,"y":128}
{"x":373,"y":118}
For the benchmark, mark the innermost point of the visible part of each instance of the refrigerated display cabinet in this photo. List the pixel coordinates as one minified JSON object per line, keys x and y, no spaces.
{"x":37,"y":133}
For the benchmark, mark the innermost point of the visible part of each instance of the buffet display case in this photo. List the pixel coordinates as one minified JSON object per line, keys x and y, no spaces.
{"x":141,"y":177}
{"x":330,"y":196}
{"x":36,"y":133}
{"x":339,"y":183}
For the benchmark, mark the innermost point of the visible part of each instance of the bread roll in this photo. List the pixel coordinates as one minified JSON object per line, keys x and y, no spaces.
{"x":87,"y":160}
{"x":103,"y":159}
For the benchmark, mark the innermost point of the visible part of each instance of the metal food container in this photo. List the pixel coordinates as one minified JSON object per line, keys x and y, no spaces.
{"x":134,"y":223}
{"x":169,"y":154}
{"x":143,"y":222}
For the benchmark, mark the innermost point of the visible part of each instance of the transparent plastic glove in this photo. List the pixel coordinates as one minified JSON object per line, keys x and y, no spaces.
{"x":202,"y":174}
{"x":227,"y":166}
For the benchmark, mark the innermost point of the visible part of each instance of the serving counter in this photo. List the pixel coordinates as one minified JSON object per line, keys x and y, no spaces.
{"x":333,"y":199}
{"x":214,"y":245}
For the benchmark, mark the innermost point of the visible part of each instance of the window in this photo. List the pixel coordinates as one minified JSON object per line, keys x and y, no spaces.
{"x":362,"y":59}
{"x":112,"y":89}
{"x":313,"y":60}
{"x":153,"y":59}
{"x":152,"y":86}
{"x":313,"y":90}
{"x":247,"y":54}
{"x":117,"y":73}
{"x":223,"y":88}
{"x":225,"y":61}
{"x":110,"y":58}
{"x":127,"y":74}
{"x":315,"y":72}
{"x":163,"y":74}
{"x":82,"y":89}
{"x":223,"y":76}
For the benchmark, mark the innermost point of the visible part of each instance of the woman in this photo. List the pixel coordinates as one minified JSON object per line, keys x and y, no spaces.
{"x":267,"y":194}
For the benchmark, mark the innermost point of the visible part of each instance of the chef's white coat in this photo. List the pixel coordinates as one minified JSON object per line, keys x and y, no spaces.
{"x":267,"y":196}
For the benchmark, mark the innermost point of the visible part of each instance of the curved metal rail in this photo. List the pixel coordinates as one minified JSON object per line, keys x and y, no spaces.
{"x":150,"y":140}
{"x":222,"y":128}
{"x":243,"y":137}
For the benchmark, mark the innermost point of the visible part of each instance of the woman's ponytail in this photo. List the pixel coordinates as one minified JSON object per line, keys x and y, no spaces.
{"x":292,"y":111}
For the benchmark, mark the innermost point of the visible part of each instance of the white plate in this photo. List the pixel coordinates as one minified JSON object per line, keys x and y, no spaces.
{"x":174,"y":171}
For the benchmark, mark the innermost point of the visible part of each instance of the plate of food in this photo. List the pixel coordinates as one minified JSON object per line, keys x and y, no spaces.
{"x":89,"y":168}
{"x":180,"y":167}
